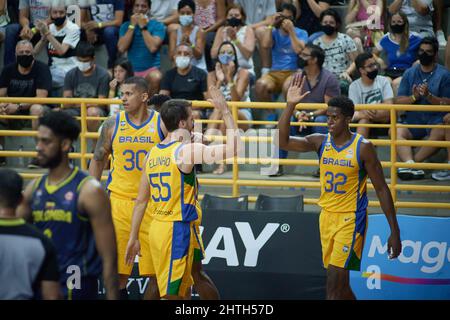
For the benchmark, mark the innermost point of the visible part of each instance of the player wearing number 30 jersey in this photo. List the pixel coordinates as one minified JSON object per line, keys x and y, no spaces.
{"x":346,"y":160}
{"x":128,"y":137}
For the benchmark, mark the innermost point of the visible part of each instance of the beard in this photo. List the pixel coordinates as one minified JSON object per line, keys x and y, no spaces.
{"x":51,"y":162}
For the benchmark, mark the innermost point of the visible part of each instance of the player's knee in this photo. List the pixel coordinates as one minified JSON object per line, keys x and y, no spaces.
{"x":37,"y":110}
{"x":93,"y":112}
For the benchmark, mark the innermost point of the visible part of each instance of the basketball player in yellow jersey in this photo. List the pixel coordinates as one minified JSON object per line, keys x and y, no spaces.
{"x":128,"y":136}
{"x":345,"y":161}
{"x":169,"y":187}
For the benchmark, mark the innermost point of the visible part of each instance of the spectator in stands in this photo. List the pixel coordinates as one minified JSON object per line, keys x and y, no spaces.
{"x":26,"y":78}
{"x":371,"y":88}
{"x":164,"y":11}
{"x":29,"y":263}
{"x":308,"y":14}
{"x":29,"y":12}
{"x":209,"y":15}
{"x":364,"y":22}
{"x":122,"y":70}
{"x":286,"y":41}
{"x":101,"y":23}
{"x":438,"y":13}
{"x":340,"y":49}
{"x":242,"y":37}
{"x":400,"y":47}
{"x":157,"y":101}
{"x":60,"y":38}
{"x":87,"y":80}
{"x":419,"y":14}
{"x":188,"y":32}
{"x":259,"y":16}
{"x":233,"y":82}
{"x":257,"y":12}
{"x":425,"y":83}
{"x":186,"y":81}
{"x":322,"y":86}
{"x":141,"y":40}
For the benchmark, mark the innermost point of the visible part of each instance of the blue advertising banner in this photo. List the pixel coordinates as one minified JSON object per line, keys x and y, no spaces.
{"x":422,"y":271}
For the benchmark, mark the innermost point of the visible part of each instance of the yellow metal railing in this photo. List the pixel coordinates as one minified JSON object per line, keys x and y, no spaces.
{"x":235,"y":182}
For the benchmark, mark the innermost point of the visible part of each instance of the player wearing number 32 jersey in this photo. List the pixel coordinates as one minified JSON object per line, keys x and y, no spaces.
{"x":346,"y":160}
{"x":128,"y":137}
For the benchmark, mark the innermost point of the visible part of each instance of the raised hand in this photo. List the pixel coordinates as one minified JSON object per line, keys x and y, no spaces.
{"x":294,"y":94}
{"x":142,"y":21}
{"x":217,"y":99}
{"x":220,"y":75}
{"x":113,"y":84}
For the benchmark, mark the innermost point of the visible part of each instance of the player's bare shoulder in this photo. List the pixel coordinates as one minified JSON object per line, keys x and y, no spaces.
{"x":316,"y":139}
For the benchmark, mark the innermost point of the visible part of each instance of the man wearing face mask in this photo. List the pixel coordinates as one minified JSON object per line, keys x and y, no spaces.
{"x":424,"y":83}
{"x":61,"y":38}
{"x":186,"y":81}
{"x":141,"y":40}
{"x":25,"y":78}
{"x":87,"y":80}
{"x":371,"y":88}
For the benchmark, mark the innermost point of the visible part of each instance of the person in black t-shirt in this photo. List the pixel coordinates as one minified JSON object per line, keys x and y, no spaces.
{"x":25,"y":78}
{"x":29,"y":267}
{"x":310,"y":11}
{"x":186,"y":81}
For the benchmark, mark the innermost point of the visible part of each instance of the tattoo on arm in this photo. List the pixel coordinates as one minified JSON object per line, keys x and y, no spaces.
{"x":103,"y":147}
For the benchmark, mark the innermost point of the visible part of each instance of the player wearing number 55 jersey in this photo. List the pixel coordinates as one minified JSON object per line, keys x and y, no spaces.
{"x":128,"y":137}
{"x":169,"y":188}
{"x":346,"y":160}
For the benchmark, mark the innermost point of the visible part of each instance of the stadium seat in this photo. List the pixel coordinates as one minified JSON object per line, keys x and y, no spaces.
{"x":269,"y":203}
{"x":216,"y":202}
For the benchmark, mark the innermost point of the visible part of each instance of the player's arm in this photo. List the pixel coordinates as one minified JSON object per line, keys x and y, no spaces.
{"x":282,"y":138}
{"x":102,"y":149}
{"x":189,"y":153}
{"x":95,"y":202}
{"x":24,"y":209}
{"x":140,"y":206}
{"x":373,"y":167}
{"x":49,"y":273}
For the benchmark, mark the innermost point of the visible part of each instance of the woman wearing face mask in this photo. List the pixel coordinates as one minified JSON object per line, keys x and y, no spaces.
{"x":188,"y":32}
{"x":122,"y":70}
{"x":242,"y":37}
{"x":233,"y":82}
{"x":340,"y":49}
{"x":400,"y":46}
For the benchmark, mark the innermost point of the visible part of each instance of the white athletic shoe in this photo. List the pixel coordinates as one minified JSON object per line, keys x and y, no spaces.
{"x":443,"y":175}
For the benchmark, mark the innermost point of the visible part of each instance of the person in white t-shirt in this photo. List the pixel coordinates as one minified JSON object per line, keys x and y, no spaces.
{"x":61,"y":38}
{"x":370,"y":89}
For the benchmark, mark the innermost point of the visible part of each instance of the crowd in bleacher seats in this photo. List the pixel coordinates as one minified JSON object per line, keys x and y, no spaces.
{"x":374,"y":51}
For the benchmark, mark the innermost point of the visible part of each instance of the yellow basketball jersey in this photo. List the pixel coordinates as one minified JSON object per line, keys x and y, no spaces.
{"x":130,"y":145}
{"x":342,"y":176}
{"x":173,"y":194}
